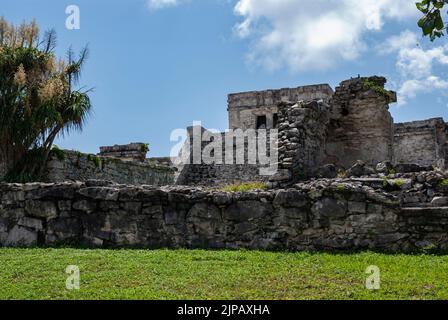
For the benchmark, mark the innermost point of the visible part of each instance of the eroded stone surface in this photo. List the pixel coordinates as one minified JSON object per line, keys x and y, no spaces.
{"x":323,"y":214}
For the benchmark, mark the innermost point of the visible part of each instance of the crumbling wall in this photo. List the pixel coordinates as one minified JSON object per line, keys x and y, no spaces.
{"x":132,"y":151}
{"x":421,"y":142}
{"x":222,"y":170}
{"x":244,"y":107}
{"x":351,"y":214}
{"x":361,"y":127}
{"x":76,"y":166}
{"x":302,"y":135}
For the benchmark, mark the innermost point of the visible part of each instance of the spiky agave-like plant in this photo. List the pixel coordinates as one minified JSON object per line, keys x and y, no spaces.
{"x":38,"y":99}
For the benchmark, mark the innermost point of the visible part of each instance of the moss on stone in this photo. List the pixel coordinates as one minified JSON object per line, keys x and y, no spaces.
{"x":95,"y":159}
{"x":378,"y":89}
{"x":245,"y":187}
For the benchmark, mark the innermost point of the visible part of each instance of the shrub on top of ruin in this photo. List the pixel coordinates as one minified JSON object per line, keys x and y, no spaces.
{"x":443,"y":183}
{"x":245,"y":187}
{"x":59,"y":153}
{"x":145,"y":148}
{"x":380,"y":90}
{"x":95,"y":159}
{"x":38,"y":98}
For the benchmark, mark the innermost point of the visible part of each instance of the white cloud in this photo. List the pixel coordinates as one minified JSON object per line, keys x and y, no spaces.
{"x":161,"y":4}
{"x":406,"y":39}
{"x":313,"y":34}
{"x":415,"y":65}
{"x":417,"y":62}
{"x":411,"y":88}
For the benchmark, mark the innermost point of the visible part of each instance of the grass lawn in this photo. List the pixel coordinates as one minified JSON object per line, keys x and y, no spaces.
{"x":197,"y":274}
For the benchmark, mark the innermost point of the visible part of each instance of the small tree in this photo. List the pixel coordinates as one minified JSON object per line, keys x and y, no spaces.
{"x":38,"y":101}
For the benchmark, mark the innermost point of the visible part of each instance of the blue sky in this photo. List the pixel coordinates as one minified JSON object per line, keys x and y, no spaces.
{"x":159,"y":65}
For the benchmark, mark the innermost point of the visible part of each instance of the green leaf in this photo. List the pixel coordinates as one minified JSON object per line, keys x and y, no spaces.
{"x":439,"y":22}
{"x":422,"y":8}
{"x":428,"y":26}
{"x":438,"y":5}
{"x":421,"y":22}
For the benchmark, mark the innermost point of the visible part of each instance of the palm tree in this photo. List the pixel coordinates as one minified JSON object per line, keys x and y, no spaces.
{"x":38,"y":99}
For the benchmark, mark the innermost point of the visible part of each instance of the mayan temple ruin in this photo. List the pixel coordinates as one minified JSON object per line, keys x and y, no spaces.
{"x":322,"y":131}
{"x":347,"y":178}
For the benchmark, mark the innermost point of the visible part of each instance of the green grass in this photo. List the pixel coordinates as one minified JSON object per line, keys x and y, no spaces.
{"x":245,"y":187}
{"x":196,"y":274}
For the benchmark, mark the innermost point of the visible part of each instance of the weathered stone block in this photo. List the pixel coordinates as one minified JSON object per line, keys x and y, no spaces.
{"x":357,"y":207}
{"x":85,"y":205}
{"x":331,"y":208}
{"x":439,"y":201}
{"x":21,"y":236}
{"x":100,"y":193}
{"x":291,"y":198}
{"x":31,"y":223}
{"x":247,"y":210}
{"x":41,"y":209}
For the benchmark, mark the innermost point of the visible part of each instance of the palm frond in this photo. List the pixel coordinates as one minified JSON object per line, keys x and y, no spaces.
{"x":50,"y":41}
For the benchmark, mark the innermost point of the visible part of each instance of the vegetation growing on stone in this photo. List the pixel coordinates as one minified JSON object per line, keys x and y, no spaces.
{"x":379,"y":89}
{"x":59,"y":153}
{"x":342,"y":174}
{"x":399,"y":183}
{"x":245,"y":187}
{"x":393,"y":184}
{"x":95,"y":159}
{"x":145,"y":148}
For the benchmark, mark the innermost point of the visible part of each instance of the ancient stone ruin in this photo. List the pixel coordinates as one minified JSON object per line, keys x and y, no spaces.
{"x":346,"y":178}
{"x":321,"y":132}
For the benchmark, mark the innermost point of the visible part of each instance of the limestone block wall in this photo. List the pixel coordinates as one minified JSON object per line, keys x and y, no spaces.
{"x":76,"y":166}
{"x":422,"y":142}
{"x":302,"y":135}
{"x":334,"y":215}
{"x":244,"y":107}
{"x":361,"y":127}
{"x":132,"y":151}
{"x":220,"y":175}
{"x":220,"y":172}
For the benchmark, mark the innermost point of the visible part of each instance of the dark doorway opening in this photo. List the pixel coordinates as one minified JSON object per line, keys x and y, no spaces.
{"x":261,"y":122}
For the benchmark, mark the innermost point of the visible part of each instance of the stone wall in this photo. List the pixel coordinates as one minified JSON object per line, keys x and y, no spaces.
{"x":422,"y":142}
{"x":133,"y":151}
{"x":361,"y":127}
{"x":302,"y":135}
{"x":220,"y":175}
{"x":244,"y":107}
{"x":344,"y":214}
{"x":221,"y":171}
{"x":76,"y":166}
